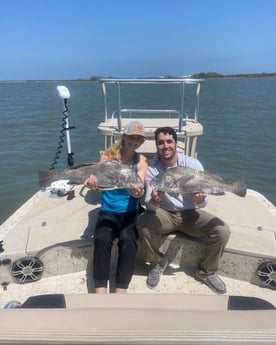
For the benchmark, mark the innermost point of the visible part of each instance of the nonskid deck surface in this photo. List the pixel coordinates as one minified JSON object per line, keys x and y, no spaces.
{"x":174,"y":281}
{"x":46,"y":220}
{"x":58,"y":231}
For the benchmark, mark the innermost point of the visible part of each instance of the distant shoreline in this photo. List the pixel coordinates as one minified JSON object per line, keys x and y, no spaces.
{"x":208,"y":75}
{"x":218,"y":75}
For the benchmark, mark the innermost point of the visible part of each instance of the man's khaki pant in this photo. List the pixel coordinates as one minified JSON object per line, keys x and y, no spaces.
{"x":152,"y":225}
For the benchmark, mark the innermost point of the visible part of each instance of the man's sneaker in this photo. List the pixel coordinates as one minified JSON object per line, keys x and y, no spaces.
{"x":155,"y":273}
{"x":213,"y":281}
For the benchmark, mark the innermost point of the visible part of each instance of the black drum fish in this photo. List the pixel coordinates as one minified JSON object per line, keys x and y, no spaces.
{"x":110,"y":175}
{"x":184,"y":180}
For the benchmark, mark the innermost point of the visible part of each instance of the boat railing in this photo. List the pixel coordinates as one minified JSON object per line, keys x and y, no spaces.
{"x":145,"y":113}
{"x":187,"y":127}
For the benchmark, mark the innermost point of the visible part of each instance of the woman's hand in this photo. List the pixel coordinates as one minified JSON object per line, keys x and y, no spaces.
{"x":136,"y":191}
{"x":91,"y":182}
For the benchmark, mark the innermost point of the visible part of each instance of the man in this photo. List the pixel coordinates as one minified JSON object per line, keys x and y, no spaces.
{"x":166,"y":213}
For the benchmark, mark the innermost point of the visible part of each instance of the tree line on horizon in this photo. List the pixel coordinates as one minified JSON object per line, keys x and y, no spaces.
{"x":244,"y":75}
{"x":209,"y":75}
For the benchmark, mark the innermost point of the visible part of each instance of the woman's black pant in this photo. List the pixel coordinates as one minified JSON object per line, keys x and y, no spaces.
{"x":110,"y":226}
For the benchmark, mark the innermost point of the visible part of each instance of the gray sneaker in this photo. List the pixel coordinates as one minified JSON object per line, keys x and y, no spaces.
{"x":155,"y":273}
{"x":213,"y":281}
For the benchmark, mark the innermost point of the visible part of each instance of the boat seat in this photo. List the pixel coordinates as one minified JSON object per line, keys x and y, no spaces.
{"x":148,"y":301}
{"x":187,"y":135}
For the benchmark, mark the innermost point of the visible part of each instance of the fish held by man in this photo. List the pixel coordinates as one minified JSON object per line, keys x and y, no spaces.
{"x":184,"y":180}
{"x":110,"y":175}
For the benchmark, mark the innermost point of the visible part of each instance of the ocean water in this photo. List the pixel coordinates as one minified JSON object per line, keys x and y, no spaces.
{"x":238,"y":115}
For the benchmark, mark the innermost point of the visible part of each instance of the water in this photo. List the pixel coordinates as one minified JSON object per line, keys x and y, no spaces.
{"x":238,"y":116}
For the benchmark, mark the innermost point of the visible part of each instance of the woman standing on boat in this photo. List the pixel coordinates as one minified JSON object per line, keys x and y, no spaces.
{"x":118,"y":213}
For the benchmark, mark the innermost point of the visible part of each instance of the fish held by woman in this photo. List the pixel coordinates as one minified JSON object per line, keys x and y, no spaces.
{"x":184,"y":180}
{"x":110,"y":175}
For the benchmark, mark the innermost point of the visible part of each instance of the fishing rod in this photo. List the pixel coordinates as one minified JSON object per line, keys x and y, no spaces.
{"x":64,"y":93}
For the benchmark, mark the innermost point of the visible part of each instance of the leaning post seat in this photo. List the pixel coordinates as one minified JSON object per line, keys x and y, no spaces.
{"x":187,"y":126}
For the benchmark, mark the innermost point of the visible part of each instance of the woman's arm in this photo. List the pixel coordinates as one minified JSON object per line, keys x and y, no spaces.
{"x":142,"y":167}
{"x":138,"y":192}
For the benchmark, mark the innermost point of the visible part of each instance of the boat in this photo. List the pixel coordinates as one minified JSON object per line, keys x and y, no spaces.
{"x":46,"y":252}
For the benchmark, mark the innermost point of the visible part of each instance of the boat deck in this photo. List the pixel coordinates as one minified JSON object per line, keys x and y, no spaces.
{"x":55,"y":228}
{"x":47,"y":250}
{"x":53,"y":233}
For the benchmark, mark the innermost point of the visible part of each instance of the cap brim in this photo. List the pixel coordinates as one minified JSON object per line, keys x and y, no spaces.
{"x":134,"y":133}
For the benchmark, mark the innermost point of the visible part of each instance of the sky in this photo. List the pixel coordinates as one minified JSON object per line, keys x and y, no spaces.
{"x":72,"y":39}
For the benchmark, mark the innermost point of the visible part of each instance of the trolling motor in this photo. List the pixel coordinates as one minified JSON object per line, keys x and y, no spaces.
{"x":65,"y":94}
{"x":61,"y":187}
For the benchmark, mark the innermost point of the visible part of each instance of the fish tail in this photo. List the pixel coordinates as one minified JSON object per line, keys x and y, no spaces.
{"x":45,"y":177}
{"x":239,"y":187}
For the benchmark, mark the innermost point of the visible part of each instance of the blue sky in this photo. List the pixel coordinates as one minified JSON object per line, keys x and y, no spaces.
{"x":69,"y":39}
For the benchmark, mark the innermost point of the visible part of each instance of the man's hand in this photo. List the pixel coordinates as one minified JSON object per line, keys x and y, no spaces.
{"x":199,"y":197}
{"x":157,"y":196}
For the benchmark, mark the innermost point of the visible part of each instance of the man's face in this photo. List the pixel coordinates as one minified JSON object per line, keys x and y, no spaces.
{"x":166,"y":146}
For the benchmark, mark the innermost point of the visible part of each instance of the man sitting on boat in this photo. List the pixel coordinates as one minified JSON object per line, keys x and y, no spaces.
{"x":167,"y":213}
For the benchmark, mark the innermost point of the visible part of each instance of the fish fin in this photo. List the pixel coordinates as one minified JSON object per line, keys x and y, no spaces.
{"x":239,"y":187}
{"x":80,"y":166}
{"x":219,"y":193}
{"x":74,"y":182}
{"x":184,"y":179}
{"x":45,"y":177}
{"x":102,"y":188}
{"x":214,"y":176}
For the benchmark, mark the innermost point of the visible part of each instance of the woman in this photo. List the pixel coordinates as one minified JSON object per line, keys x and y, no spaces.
{"x":118,"y":213}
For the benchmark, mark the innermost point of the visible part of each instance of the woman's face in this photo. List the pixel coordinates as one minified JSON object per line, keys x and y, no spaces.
{"x":133,"y":142}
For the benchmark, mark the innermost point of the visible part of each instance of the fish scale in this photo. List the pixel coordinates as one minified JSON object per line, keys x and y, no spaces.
{"x":110,"y":175}
{"x":185,"y":180}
